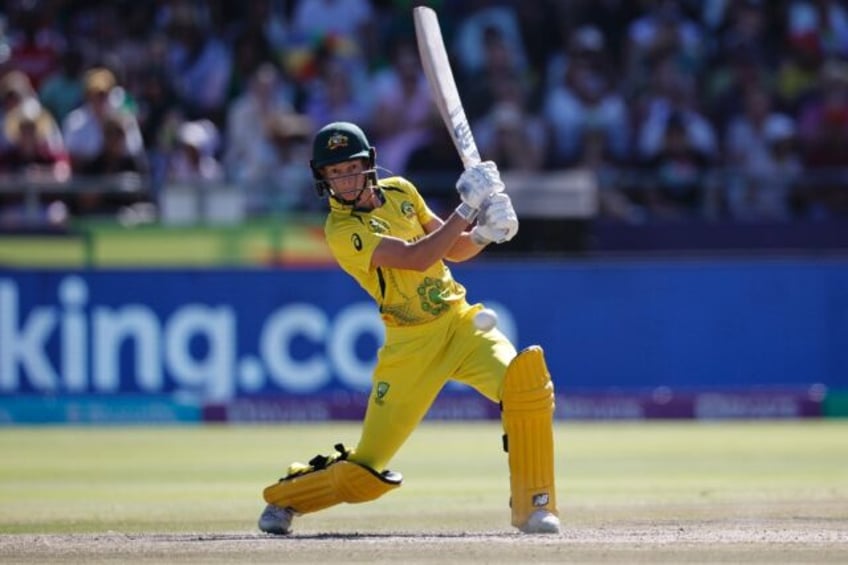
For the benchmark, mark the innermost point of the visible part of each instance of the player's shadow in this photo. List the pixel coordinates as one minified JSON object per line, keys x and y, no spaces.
{"x":324,"y":536}
{"x":392,"y":535}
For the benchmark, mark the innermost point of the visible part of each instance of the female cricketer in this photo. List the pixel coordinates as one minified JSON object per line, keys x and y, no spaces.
{"x":383,"y":234}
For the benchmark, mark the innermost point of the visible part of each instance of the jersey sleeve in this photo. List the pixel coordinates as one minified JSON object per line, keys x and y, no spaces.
{"x":352,"y":244}
{"x":425,"y":214}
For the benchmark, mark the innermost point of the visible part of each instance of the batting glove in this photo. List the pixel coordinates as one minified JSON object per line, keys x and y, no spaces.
{"x":474,"y":185}
{"x":497,"y":223}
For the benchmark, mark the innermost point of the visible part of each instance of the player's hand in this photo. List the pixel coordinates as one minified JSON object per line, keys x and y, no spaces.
{"x":475,"y":184}
{"x":497,"y":223}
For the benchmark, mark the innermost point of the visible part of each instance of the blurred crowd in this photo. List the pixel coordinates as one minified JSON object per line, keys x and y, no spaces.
{"x":682,"y":108}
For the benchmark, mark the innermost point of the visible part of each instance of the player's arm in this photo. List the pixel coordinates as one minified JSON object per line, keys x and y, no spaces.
{"x":497,"y":223}
{"x":421,"y":254}
{"x":463,"y":248}
{"x":475,"y":185}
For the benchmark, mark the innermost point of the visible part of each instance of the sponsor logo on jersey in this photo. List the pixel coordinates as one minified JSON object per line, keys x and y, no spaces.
{"x":357,"y":241}
{"x":378,"y":226}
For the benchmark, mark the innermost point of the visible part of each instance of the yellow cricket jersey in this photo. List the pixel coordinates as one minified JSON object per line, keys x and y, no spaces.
{"x":405,"y":297}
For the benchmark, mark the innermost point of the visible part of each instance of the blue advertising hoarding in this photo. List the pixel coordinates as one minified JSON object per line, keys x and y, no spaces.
{"x":213,"y":336}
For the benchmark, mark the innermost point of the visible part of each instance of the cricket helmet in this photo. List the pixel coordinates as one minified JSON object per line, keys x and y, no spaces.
{"x":338,"y":142}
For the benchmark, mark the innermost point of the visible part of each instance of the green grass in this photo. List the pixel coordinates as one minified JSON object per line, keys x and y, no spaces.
{"x":209,"y":479}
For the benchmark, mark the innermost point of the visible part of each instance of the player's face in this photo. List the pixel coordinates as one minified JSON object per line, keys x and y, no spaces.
{"x":347,"y":179}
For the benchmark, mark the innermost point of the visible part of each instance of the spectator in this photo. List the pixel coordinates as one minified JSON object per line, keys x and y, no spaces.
{"x":333,"y":97}
{"x":250,"y":52}
{"x":285,"y":183}
{"x":676,"y":181}
{"x":823,"y":117}
{"x":17,"y":93}
{"x":260,"y":35}
{"x":499,"y":65}
{"x":726,"y":86}
{"x":798,"y":71}
{"x":350,"y":22}
{"x":30,"y":152}
{"x":115,"y":170}
{"x":673,"y":92}
{"x":124,"y":47}
{"x":611,"y":17}
{"x":199,"y":64}
{"x":353,"y":19}
{"x":194,"y":160}
{"x":540,"y":28}
{"x":602,"y":87}
{"x":741,"y":27}
{"x":586,"y":45}
{"x":83,"y":127}
{"x":34,"y":44}
{"x":745,"y":143}
{"x":267,"y":19}
{"x":62,"y":91}
{"x":743,"y":54}
{"x":404,"y":107}
{"x":823,"y":132}
{"x":823,"y":23}
{"x":770,"y":173}
{"x":663,"y":32}
{"x":267,"y":96}
{"x":511,"y":135}
{"x":485,"y":25}
{"x":585,"y":99}
{"x":114,"y":157}
{"x":158,"y":117}
{"x":617,"y":198}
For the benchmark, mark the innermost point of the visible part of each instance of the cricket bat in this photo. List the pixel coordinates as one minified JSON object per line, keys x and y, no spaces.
{"x":434,"y":59}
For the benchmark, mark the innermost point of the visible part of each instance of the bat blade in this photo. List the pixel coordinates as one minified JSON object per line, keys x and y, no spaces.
{"x":434,"y":60}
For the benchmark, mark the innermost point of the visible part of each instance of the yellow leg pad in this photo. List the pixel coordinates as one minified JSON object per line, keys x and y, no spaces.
{"x":342,"y":481}
{"x":527,"y":408}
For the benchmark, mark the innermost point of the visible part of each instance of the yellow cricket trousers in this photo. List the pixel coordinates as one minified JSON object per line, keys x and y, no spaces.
{"x":412,"y":367}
